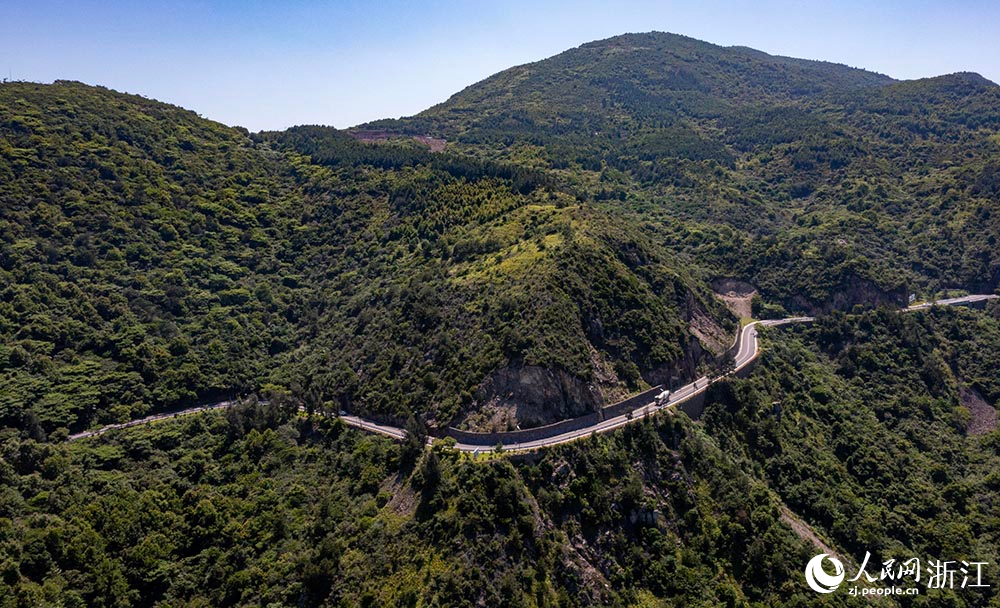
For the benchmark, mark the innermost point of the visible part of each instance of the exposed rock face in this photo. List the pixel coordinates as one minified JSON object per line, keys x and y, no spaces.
{"x":524,"y":397}
{"x":679,"y":371}
{"x":708,"y":340}
{"x":532,"y":396}
{"x":851,"y":292}
{"x":711,"y":336}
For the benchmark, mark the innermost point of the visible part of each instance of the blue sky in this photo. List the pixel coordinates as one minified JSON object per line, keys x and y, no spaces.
{"x":270,"y":65}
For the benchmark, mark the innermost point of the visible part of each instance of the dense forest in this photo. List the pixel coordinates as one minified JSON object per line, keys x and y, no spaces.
{"x":259,"y":506}
{"x":559,"y":254}
{"x":255,"y":509}
{"x":823,"y":185}
{"x":152,"y":259}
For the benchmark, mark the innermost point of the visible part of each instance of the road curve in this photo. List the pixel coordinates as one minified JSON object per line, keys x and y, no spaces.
{"x":747,"y":351}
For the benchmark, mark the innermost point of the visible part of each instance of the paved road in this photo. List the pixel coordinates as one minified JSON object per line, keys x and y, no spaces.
{"x":953,"y":301}
{"x":191,"y":410}
{"x":747,"y":352}
{"x":374,"y":427}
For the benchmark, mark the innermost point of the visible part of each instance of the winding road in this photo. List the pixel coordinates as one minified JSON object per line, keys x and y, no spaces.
{"x":163,"y":416}
{"x":747,"y":351}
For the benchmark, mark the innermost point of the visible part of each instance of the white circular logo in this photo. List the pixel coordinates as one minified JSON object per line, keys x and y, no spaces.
{"x":818,"y":579}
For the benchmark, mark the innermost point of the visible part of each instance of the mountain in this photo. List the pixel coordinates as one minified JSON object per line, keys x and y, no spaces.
{"x":558,"y":255}
{"x":876,"y":445}
{"x":153,"y":259}
{"x":825,"y":186}
{"x":546,"y":241}
{"x":628,"y":84}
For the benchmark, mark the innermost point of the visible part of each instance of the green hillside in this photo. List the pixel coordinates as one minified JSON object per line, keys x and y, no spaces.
{"x":140,"y":250}
{"x":823,"y":185}
{"x":217,"y":512}
{"x":871,"y":447}
{"x":558,"y":254}
{"x":153,"y":259}
{"x":603,"y":91}
{"x":569,"y":232}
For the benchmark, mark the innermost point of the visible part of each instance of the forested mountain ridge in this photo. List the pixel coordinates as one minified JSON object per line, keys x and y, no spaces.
{"x":870,"y":446}
{"x":823,"y":185}
{"x":152,"y":258}
{"x":631,"y":82}
{"x":564,"y":243}
{"x":133,"y":234}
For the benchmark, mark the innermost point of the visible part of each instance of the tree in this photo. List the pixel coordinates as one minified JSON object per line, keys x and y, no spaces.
{"x":414,"y":441}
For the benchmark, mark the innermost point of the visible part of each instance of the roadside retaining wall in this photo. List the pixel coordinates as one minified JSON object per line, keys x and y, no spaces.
{"x":978,"y":304}
{"x":558,"y":428}
{"x":512,"y":437}
{"x":693,"y":407}
{"x":633,"y":402}
{"x":744,"y":372}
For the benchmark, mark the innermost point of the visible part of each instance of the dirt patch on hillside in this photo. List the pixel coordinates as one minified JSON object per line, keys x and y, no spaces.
{"x":804,"y":531}
{"x":737,"y":295}
{"x":984,"y":415}
{"x":404,"y":500}
{"x":436,"y":144}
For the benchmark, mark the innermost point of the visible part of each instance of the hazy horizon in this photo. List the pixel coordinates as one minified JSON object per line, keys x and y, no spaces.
{"x":271,"y":67}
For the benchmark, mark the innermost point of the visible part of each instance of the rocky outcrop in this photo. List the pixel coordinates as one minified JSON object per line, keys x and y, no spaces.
{"x":527,"y":397}
{"x":681,"y":370}
{"x":982,"y":415}
{"x":707,"y":341}
{"x":491,"y":438}
{"x":852,"y":291}
{"x":530,"y":396}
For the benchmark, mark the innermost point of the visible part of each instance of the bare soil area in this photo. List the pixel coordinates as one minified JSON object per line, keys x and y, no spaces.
{"x":737,"y":295}
{"x":804,"y":531}
{"x":436,"y":144}
{"x":984,"y":415}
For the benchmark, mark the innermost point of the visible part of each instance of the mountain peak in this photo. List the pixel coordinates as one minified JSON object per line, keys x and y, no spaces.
{"x":970,"y":78}
{"x":630,"y":80}
{"x":647,"y":40}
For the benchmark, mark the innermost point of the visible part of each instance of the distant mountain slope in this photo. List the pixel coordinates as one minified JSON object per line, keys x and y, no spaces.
{"x":630,"y":81}
{"x":824,"y":185}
